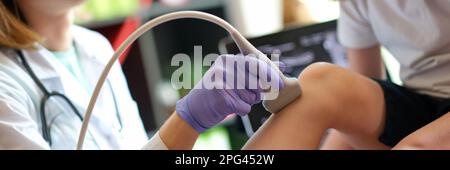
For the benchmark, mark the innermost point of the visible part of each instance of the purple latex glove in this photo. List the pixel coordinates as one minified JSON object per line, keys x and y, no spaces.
{"x":205,"y":107}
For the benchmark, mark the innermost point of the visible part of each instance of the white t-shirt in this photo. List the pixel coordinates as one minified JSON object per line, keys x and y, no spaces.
{"x":416,"y":32}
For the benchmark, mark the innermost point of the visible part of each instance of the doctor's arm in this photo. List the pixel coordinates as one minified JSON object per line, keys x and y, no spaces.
{"x":175,"y":134}
{"x":203,"y":108}
{"x":18,"y":130}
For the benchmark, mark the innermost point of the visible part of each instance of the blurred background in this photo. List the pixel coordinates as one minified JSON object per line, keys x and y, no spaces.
{"x":268,"y":24}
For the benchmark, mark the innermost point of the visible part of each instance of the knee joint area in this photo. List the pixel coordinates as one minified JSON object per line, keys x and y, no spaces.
{"x":318,"y":71}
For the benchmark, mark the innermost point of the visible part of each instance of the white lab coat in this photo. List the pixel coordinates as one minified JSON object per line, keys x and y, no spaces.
{"x":20,"y":98}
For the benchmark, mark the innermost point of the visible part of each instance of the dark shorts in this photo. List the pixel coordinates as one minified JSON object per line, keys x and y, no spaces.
{"x":408,"y":111}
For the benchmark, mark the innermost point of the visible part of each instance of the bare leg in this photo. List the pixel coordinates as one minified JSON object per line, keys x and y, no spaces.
{"x":332,"y":97}
{"x":335,"y":141}
{"x":435,"y":135}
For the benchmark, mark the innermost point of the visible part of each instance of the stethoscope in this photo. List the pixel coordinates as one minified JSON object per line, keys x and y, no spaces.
{"x":48,"y":95}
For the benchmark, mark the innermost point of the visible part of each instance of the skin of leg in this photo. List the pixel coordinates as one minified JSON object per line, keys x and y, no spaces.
{"x":335,"y":141}
{"x":435,"y":135}
{"x":332,"y":97}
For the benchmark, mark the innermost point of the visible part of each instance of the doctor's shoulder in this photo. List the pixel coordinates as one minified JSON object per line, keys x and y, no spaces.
{"x":14,"y":83}
{"x":92,"y":42}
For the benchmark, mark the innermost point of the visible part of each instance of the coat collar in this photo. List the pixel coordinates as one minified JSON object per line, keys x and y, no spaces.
{"x":55,"y":76}
{"x":46,"y":67}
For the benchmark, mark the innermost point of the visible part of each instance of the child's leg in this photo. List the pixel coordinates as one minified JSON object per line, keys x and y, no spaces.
{"x":335,"y":140}
{"x":332,"y":97}
{"x":435,"y":135}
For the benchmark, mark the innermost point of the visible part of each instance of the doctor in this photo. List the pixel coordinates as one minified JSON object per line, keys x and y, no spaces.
{"x":48,"y":68}
{"x":48,"y":60}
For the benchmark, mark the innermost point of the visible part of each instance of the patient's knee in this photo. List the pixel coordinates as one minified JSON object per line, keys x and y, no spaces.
{"x":334,"y":79}
{"x":318,"y":71}
{"x":339,"y":87}
{"x":326,"y":79}
{"x":321,"y":83}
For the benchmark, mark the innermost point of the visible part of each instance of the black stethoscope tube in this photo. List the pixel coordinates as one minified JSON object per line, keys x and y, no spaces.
{"x":47,"y":95}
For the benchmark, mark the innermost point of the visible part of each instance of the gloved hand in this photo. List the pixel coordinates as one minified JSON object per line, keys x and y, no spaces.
{"x":204,"y":107}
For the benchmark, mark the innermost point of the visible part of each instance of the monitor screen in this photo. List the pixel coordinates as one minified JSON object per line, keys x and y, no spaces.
{"x":298,"y":47}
